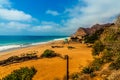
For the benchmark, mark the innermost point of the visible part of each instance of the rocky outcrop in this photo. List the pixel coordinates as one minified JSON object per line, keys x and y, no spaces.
{"x":81,"y":32}
{"x":88,"y":31}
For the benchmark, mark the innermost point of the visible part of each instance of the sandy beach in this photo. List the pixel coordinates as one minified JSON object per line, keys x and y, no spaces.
{"x":52,"y":68}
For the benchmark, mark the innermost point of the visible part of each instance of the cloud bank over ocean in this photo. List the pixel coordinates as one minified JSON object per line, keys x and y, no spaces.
{"x":55,"y":20}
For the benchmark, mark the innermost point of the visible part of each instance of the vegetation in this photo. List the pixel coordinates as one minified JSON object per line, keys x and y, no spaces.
{"x":49,"y":54}
{"x":97,"y":64}
{"x":114,"y":76}
{"x":23,"y":73}
{"x":115,"y":64}
{"x":97,"y":48}
{"x":28,"y":56}
{"x":74,"y":76}
{"x":105,"y":50}
{"x":57,"y":46}
{"x":107,"y":56}
{"x":106,"y":53}
{"x":71,"y":47}
{"x":118,"y":21}
{"x":111,"y":36}
{"x":16,"y":59}
{"x":93,"y":37}
{"x":88,"y":70}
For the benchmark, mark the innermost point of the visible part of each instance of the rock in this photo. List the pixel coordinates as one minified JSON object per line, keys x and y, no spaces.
{"x":81,"y":32}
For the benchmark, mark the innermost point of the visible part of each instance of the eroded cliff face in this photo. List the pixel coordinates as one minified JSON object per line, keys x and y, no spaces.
{"x":88,"y":31}
{"x":81,"y":32}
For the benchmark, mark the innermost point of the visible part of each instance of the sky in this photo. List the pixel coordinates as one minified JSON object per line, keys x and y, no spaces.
{"x":54,"y":17}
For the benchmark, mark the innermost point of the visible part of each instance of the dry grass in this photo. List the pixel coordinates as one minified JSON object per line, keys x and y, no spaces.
{"x":114,"y":76}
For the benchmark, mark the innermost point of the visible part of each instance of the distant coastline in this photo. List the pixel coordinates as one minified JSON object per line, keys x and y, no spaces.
{"x":17,"y":45}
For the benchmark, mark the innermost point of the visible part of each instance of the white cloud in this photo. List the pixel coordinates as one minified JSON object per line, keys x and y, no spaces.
{"x":14,"y":15}
{"x":5,"y":3}
{"x":50,"y":23}
{"x":10,"y":14}
{"x":42,"y":28}
{"x":13,"y":26}
{"x":17,"y":25}
{"x":13,"y":21}
{"x":95,"y":11}
{"x":45,"y":26}
{"x":51,"y":12}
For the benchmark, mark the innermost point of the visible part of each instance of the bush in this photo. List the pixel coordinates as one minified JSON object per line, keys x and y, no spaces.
{"x":111,"y":37}
{"x":11,"y":59}
{"x":116,"y":64}
{"x":88,"y":70}
{"x":117,"y":22}
{"x":74,"y":76}
{"x":49,"y":53}
{"x":97,"y":63}
{"x":23,"y":73}
{"x":71,"y":47}
{"x":95,"y":36}
{"x":107,"y":56}
{"x":97,"y":48}
{"x":15,"y":59}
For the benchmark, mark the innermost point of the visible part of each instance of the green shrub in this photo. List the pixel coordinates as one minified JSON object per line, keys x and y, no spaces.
{"x":95,"y":36}
{"x":88,"y":70}
{"x":111,"y":38}
{"x":107,"y":56}
{"x":97,"y":63}
{"x":71,"y":47}
{"x":49,"y":53}
{"x":23,"y":73}
{"x":10,"y":60}
{"x":74,"y":76}
{"x":116,"y":64}
{"x":112,"y":34}
{"x":97,"y":48}
{"x":15,"y":59}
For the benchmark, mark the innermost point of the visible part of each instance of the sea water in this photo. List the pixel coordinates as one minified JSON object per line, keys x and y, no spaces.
{"x":12,"y":42}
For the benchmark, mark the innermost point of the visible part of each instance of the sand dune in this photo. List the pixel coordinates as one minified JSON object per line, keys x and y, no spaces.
{"x":52,"y":68}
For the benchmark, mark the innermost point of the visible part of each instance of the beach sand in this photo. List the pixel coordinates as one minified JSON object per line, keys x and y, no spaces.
{"x":52,"y":68}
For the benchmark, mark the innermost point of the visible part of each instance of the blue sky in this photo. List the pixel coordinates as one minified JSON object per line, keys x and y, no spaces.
{"x":54,"y":17}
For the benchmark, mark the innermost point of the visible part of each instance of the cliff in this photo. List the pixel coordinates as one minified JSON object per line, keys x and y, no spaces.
{"x":105,"y":41}
{"x":88,"y":31}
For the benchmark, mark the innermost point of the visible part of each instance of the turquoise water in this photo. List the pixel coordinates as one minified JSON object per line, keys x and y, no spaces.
{"x":9,"y":42}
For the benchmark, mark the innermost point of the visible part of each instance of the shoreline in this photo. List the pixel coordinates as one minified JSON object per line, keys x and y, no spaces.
{"x":30,"y":45}
{"x":49,"y":67}
{"x":6,"y":52}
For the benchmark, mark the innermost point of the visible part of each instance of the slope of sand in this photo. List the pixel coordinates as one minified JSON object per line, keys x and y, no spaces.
{"x":52,"y":68}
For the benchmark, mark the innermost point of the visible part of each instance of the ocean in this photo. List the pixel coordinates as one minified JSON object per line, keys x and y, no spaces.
{"x":13,"y":42}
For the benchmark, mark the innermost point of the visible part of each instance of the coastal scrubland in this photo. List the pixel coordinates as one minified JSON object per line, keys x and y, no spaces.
{"x":94,"y":55}
{"x":106,"y":54}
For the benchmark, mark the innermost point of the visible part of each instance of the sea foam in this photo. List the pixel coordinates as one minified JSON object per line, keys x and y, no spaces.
{"x":3,"y":48}
{"x":15,"y":46}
